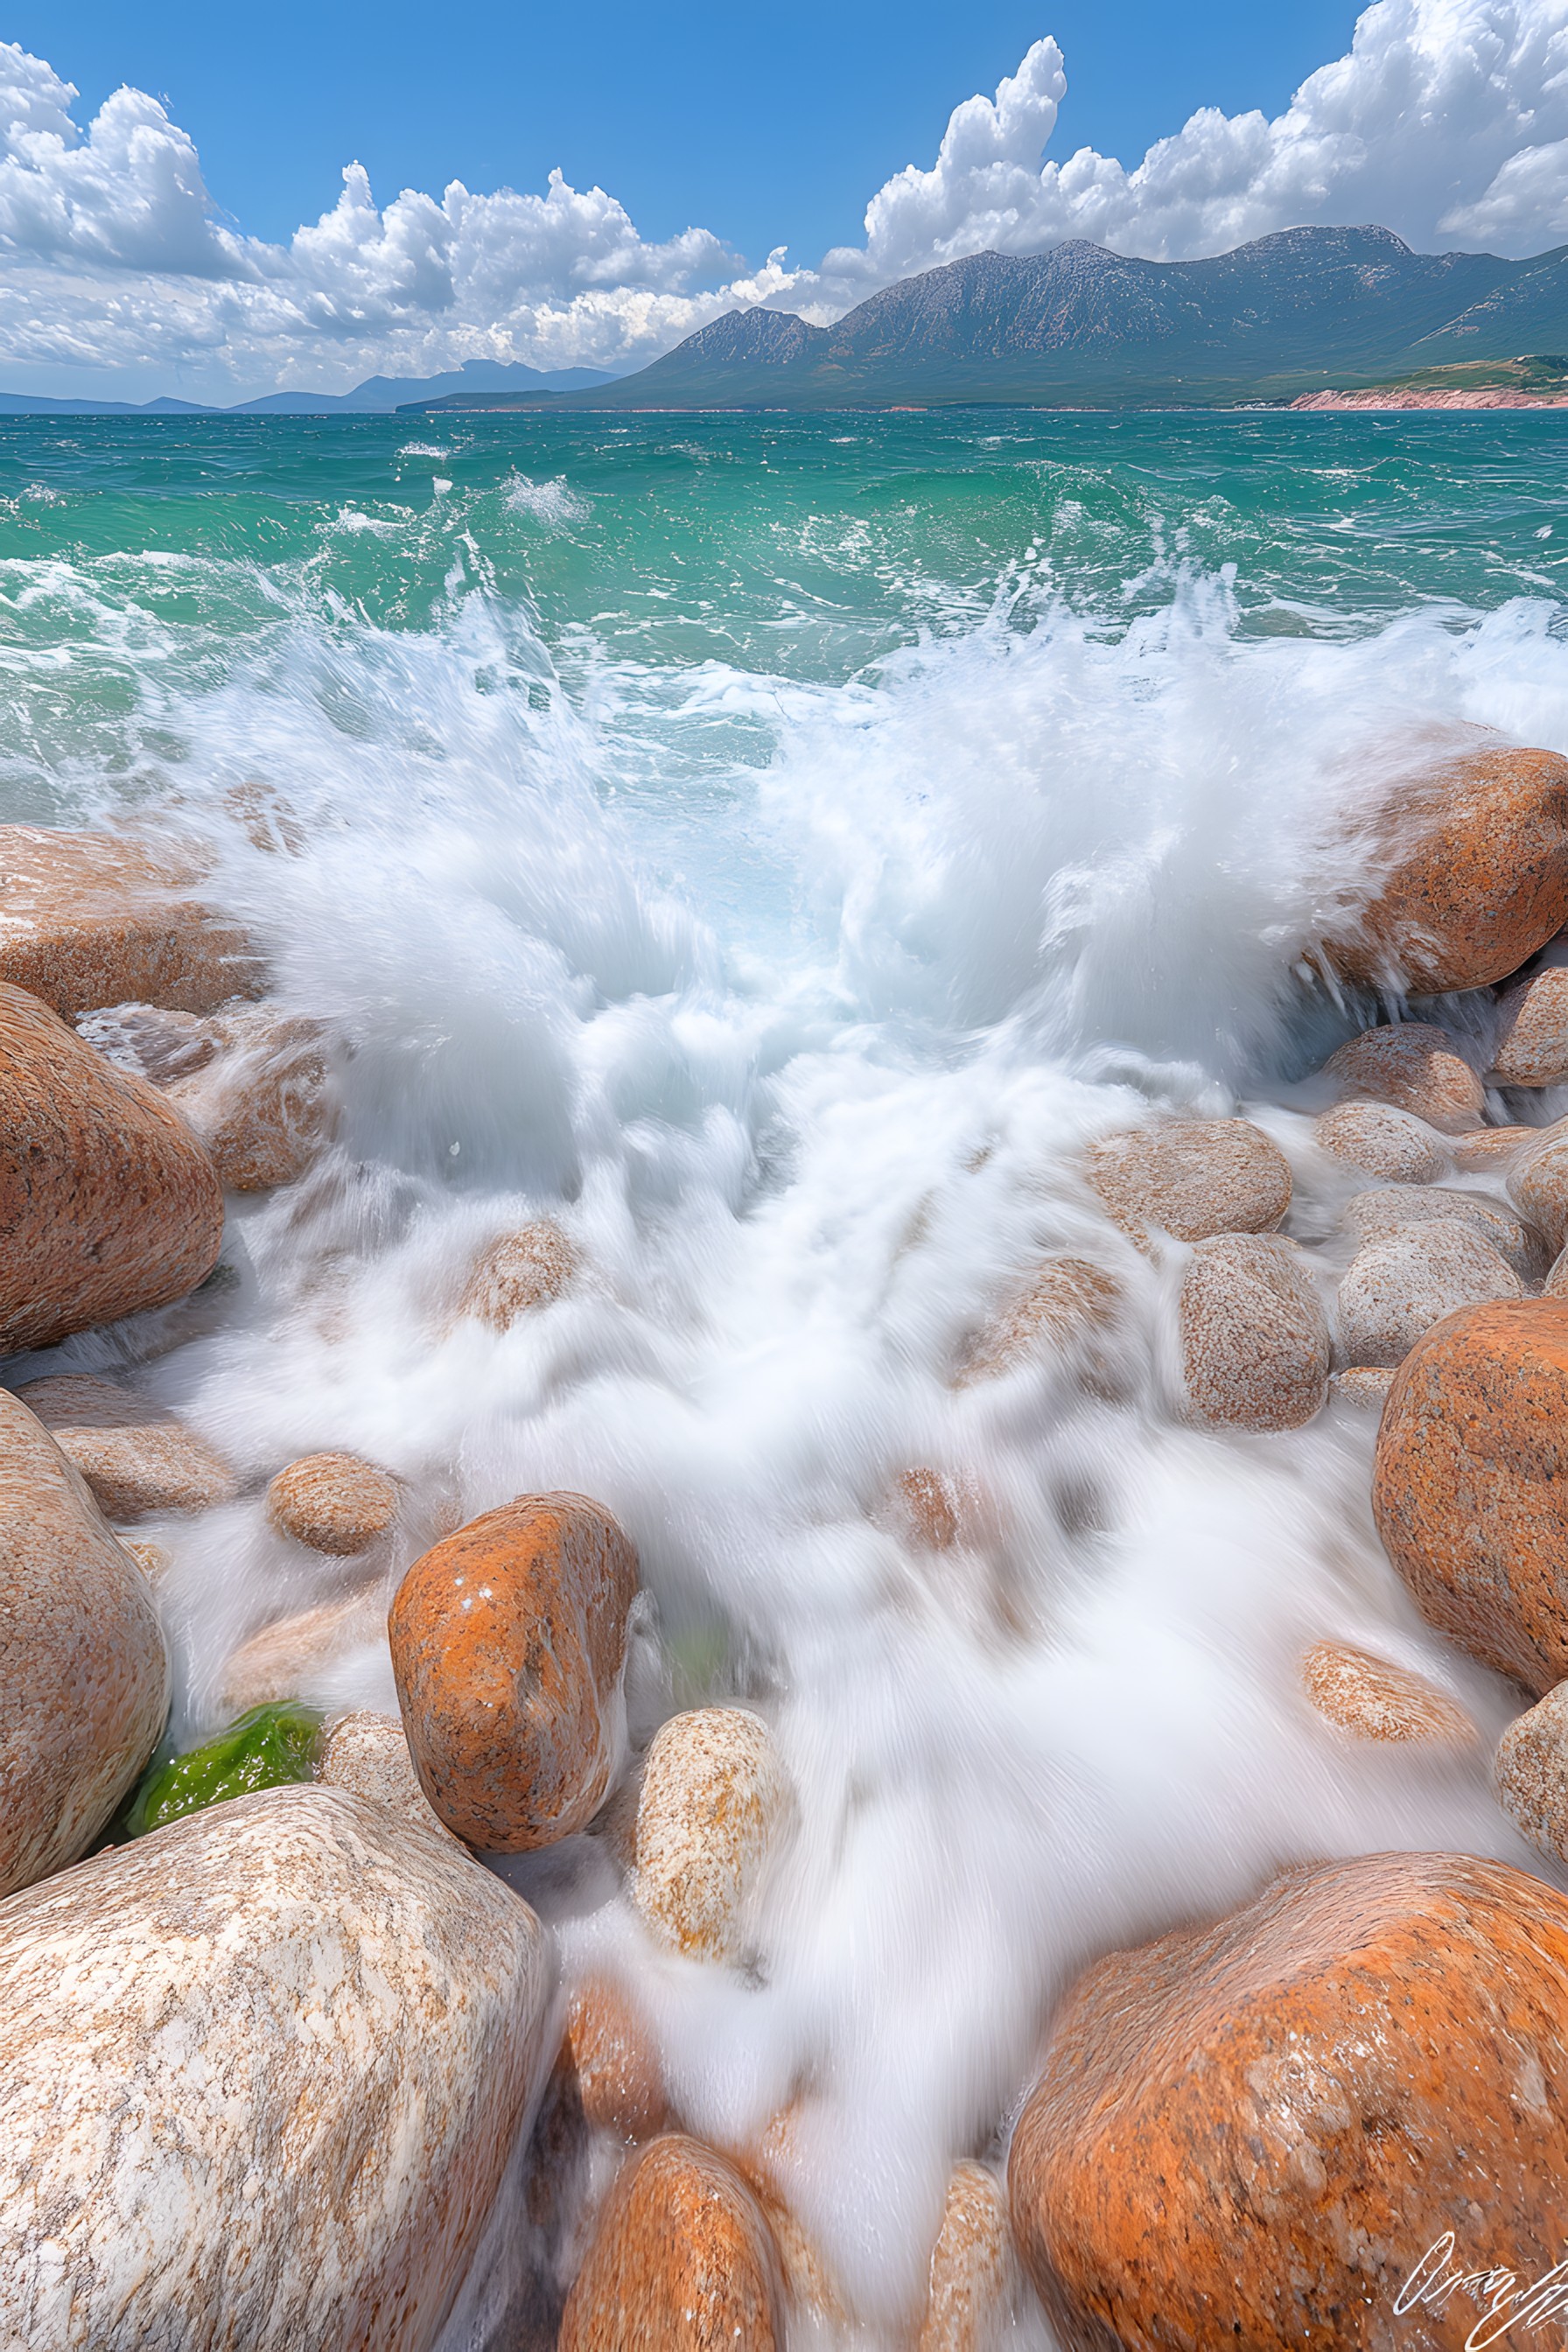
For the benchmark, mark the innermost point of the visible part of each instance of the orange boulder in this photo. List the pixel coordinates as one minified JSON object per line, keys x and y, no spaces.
{"x":137,"y":1458}
{"x":518,"y":1272}
{"x":620,"y":2080}
{"x":1066,"y":1308}
{"x":1371,"y":1698}
{"x":1475,"y":852}
{"x":682,"y":2260}
{"x":1538,"y":1184}
{"x":508,"y":1641}
{"x":1255,"y":2133}
{"x":1469,"y":1489}
{"x":92,"y":918}
{"x":1532,"y":1044}
{"x":1416,"y":1068}
{"x":333,"y":1503}
{"x":108,"y":1203}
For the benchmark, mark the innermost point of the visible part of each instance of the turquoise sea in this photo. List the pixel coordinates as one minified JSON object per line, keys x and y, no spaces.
{"x":770,"y":848}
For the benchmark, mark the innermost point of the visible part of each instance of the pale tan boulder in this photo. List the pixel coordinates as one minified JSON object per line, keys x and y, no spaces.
{"x":294,"y":1657}
{"x":716,"y":1802}
{"x":1490,"y":1147}
{"x":1392,"y":1208}
{"x":1382,"y":1141}
{"x":1538,"y":1184}
{"x":1532,"y":1036}
{"x":108,"y":1203}
{"x":1372,"y":1698}
{"x":260,"y":2075}
{"x":517,"y":1273}
{"x":367,"y":1754}
{"x":137,"y":1457}
{"x":1364,"y":1386}
{"x":1065,"y":1308}
{"x":84,"y":1673}
{"x":333,"y":1503}
{"x":1191,"y":1178}
{"x":1255,"y":1339}
{"x":259,"y":1102}
{"x":1396,"y":1289}
{"x":975,"y":2277}
{"x":92,"y":918}
{"x":1416,"y":1068}
{"x":1530,"y":1772}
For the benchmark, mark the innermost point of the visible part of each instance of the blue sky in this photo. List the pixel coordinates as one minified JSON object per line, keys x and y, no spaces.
{"x":232,"y":203}
{"x":767,"y":124}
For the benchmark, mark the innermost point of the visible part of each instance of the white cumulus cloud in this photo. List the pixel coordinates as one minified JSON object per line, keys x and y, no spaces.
{"x":1446,"y":120}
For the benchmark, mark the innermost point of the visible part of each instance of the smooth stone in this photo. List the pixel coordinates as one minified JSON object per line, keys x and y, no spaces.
{"x":1530,"y":1772}
{"x":1532,"y":1039}
{"x":96,"y":919}
{"x":1469,"y":1490}
{"x":1364,"y":1386}
{"x":1478,"y":874}
{"x":333,"y":1503}
{"x":84,"y":1672}
{"x":1397,"y":1289}
{"x":1192,"y":1179}
{"x":972,"y":2286}
{"x":137,"y":1458}
{"x":367,"y":1754}
{"x":508,"y":1641}
{"x":108,"y":1203}
{"x":1253,"y":2133}
{"x":1255,"y":1339}
{"x":1538,"y":1186}
{"x":1385,"y":1142}
{"x":1375,"y":1699}
{"x":682,"y":2260}
{"x":517,"y":1273}
{"x":1490,"y":1147}
{"x":620,"y":2080}
{"x":1065,"y":1307}
{"x":716,"y":1799}
{"x":260,"y":2075}
{"x":1374,"y":1216}
{"x":260,"y":1103}
{"x":1417,"y":1070}
{"x":294,"y":1656}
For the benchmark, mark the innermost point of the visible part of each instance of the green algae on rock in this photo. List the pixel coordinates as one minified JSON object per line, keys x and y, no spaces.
{"x":266,"y":1748}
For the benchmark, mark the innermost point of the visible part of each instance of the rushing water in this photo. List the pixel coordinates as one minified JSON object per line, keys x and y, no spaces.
{"x":770,"y":847}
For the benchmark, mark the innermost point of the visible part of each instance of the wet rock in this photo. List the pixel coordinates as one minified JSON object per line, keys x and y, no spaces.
{"x":620,"y":2080}
{"x":682,"y":2258}
{"x":1192,"y":1178}
{"x":508,"y":1641}
{"x":295,"y":1657}
{"x":333,"y":1503}
{"x":1492,"y":1146}
{"x":1468,"y":1489}
{"x":973,"y":2283}
{"x":108,"y":1203}
{"x":1533,"y":1037}
{"x":136,"y":1457}
{"x":1397,"y":1289}
{"x":367,"y":1754}
{"x":1253,"y":2133}
{"x":1538,"y":1186}
{"x":276,"y":2099}
{"x":151,"y":1041}
{"x":1067,"y":1306}
{"x":94,"y":918}
{"x":1530,"y":1772}
{"x":1417,"y":1070}
{"x":1365,"y":1386}
{"x":267,"y":1747}
{"x":1556,"y":1283}
{"x":1478,"y":874}
{"x":1375,"y":1699}
{"x":925,"y":1508}
{"x":716,"y":1800}
{"x":517,"y":1273}
{"x":260,"y":1102}
{"x":1255,"y":1340}
{"x":1375,"y":1216}
{"x":1383,"y":1142}
{"x":84,"y":1674}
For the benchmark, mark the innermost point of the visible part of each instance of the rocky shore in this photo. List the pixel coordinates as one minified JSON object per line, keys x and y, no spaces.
{"x":279,"y":2039}
{"x":1502,"y":396}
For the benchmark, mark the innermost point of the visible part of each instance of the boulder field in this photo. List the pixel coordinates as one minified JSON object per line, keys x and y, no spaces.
{"x":263,"y":2068}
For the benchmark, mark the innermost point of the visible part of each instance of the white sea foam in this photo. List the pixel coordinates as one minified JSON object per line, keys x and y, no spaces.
{"x":554,"y":504}
{"x":806,"y":1114}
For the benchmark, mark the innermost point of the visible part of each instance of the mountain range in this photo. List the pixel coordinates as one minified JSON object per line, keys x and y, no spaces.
{"x":378,"y":396}
{"x":1081,"y":326}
